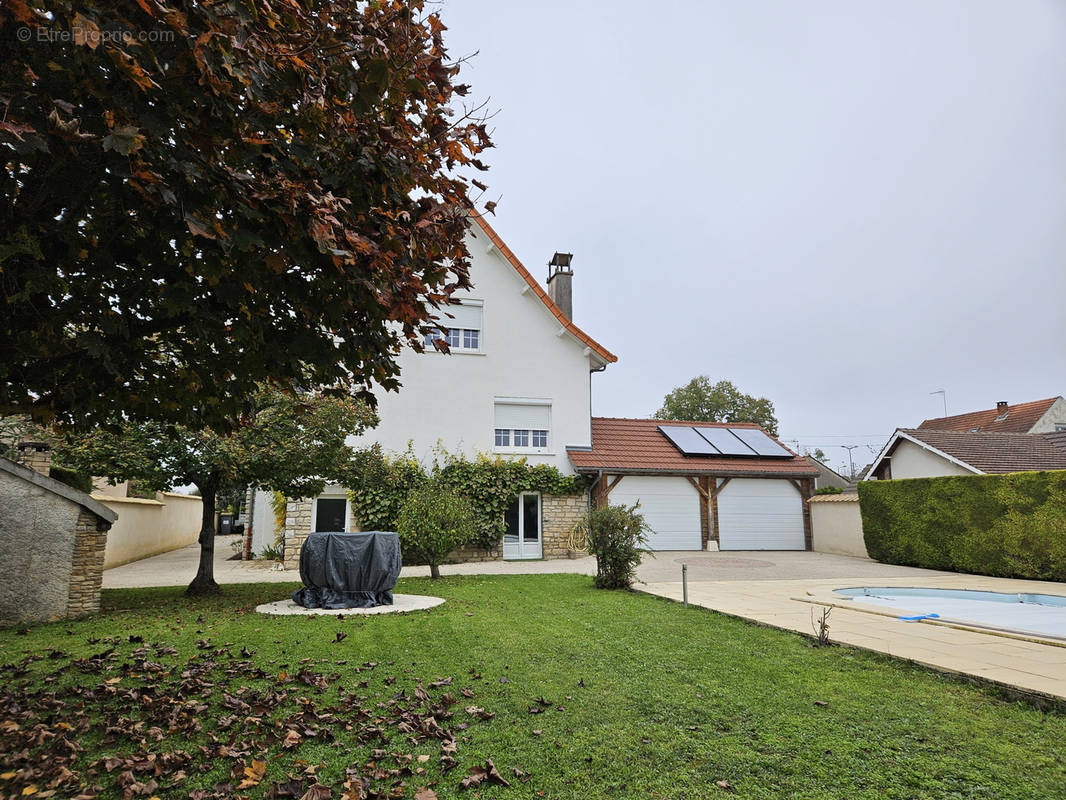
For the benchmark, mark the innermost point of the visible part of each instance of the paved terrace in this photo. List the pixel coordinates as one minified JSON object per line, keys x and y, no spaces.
{"x":781,"y":589}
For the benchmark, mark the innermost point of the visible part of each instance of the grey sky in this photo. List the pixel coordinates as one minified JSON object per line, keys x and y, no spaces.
{"x":842,"y":206}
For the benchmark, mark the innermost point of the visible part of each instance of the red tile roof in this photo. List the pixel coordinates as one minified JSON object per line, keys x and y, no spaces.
{"x":637,"y":446}
{"x":564,"y":320}
{"x":996,"y":452}
{"x":1021,"y":417}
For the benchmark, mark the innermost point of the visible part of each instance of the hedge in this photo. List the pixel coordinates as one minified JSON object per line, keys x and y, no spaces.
{"x":1011,"y":526}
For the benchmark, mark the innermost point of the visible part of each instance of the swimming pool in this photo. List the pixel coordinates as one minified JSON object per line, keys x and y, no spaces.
{"x":1036,"y":614}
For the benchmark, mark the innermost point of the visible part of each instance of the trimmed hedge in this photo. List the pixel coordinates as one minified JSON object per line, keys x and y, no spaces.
{"x":1011,"y":526}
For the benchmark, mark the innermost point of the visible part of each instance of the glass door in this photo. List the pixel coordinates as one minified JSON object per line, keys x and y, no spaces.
{"x":521,"y":538}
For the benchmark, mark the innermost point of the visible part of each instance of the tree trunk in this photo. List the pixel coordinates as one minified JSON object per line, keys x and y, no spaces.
{"x":434,"y":570}
{"x":204,"y":582}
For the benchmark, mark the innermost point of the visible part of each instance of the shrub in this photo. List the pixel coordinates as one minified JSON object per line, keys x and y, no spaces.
{"x":72,"y":478}
{"x":433,"y":521}
{"x":829,"y":490}
{"x":614,"y":534}
{"x":1003,"y":525}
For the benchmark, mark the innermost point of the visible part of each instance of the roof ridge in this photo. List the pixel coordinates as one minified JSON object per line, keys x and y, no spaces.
{"x":682,"y":421}
{"x":524,"y":273}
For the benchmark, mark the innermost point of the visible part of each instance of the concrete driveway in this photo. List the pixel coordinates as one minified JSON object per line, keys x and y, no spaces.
{"x":789,"y":590}
{"x":761,"y":565}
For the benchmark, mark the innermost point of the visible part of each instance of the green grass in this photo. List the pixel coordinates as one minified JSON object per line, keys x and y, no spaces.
{"x":673,"y":700}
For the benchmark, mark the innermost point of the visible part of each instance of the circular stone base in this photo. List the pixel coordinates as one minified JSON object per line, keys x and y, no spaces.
{"x":400,"y":602}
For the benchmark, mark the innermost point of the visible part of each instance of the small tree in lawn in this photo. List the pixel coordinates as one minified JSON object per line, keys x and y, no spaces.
{"x":433,"y":521}
{"x":615,"y":535}
{"x":291,"y":444}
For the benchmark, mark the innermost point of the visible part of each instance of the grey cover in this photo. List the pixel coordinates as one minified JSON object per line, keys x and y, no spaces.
{"x":348,"y":570}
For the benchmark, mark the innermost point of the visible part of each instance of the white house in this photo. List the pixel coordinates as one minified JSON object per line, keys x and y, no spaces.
{"x":518,"y":382}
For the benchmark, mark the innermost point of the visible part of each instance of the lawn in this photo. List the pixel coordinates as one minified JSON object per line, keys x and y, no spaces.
{"x":570,"y":691}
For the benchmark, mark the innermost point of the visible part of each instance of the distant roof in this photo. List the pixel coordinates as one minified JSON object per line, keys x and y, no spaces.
{"x":58,"y":488}
{"x":1058,"y":438}
{"x":1020,"y":418}
{"x":564,"y":320}
{"x":637,"y":446}
{"x":995,"y":452}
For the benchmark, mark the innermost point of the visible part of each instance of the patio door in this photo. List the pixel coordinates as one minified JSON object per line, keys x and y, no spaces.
{"x":522,"y":536}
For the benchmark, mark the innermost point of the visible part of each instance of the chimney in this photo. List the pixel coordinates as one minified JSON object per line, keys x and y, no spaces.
{"x":35,"y":455}
{"x":560,"y":283}
{"x":1001,"y":407}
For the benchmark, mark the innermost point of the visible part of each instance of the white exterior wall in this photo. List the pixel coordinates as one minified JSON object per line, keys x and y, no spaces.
{"x":261,"y":522}
{"x":836,"y":525}
{"x":1053,"y":417}
{"x":450,"y":398}
{"x":149,"y":527}
{"x":911,"y":461}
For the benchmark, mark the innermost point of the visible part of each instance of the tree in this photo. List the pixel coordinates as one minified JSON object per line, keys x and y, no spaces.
{"x":186,"y":186}
{"x":285,"y":443}
{"x":433,"y":521}
{"x":701,"y":401}
{"x":820,"y":455}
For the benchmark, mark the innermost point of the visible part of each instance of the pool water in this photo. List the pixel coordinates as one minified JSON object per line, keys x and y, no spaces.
{"x":1038,"y":614}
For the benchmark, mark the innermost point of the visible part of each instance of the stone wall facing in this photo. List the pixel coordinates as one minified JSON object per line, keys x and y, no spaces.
{"x":559,"y":514}
{"x":87,"y":570}
{"x":297,"y":529}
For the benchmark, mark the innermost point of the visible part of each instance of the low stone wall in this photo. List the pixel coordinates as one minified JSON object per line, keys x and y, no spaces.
{"x":149,"y":527}
{"x":836,"y":525}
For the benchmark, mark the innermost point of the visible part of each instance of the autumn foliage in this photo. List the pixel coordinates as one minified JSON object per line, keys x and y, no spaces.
{"x":197,"y":197}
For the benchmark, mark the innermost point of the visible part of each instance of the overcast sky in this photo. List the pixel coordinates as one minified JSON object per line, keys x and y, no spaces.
{"x":841,"y":206}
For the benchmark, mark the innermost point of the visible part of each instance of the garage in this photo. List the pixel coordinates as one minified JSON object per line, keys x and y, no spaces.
{"x":671,"y":507}
{"x":720,"y":486}
{"x":760,"y":514}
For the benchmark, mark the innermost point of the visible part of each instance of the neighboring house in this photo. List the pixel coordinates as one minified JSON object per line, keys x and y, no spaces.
{"x":701,"y":485}
{"x":52,"y":538}
{"x":920,"y":453}
{"x":1038,"y":416}
{"x":518,"y":383}
{"x":827,"y":477}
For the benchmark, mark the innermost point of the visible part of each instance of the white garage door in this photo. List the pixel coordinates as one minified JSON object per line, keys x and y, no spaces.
{"x":671,"y":507}
{"x":760,"y":514}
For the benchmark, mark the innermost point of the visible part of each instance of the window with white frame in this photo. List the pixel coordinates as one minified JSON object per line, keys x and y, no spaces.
{"x":462,"y":329}
{"x":522,"y":425}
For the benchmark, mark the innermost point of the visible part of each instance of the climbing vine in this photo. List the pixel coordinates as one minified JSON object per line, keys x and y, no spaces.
{"x":380,"y":484}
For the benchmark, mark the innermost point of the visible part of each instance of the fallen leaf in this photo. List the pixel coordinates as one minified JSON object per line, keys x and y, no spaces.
{"x":253,"y":774}
{"x":422,"y":793}
{"x":821,"y":703}
{"x":724,"y":785}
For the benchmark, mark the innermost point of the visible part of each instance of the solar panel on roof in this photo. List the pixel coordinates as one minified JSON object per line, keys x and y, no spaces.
{"x":760,"y":443}
{"x":688,"y":441}
{"x":725,"y":441}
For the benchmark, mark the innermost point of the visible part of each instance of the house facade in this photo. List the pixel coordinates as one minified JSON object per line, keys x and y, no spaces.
{"x":517,"y":382}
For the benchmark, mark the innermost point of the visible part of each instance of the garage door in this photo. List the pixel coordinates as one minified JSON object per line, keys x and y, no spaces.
{"x":760,"y":514}
{"x":671,"y":507}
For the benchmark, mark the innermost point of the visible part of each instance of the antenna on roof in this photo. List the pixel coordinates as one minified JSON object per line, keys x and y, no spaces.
{"x":944,"y":397}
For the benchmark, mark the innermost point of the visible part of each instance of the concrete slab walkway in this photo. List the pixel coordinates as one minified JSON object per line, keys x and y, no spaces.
{"x":1033,"y":667}
{"x":178,"y":567}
